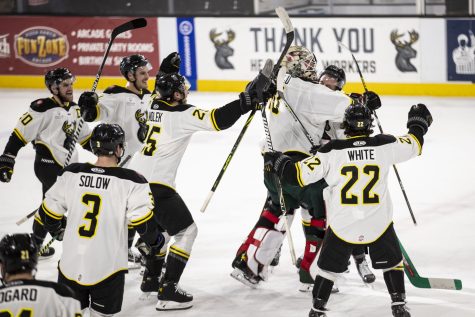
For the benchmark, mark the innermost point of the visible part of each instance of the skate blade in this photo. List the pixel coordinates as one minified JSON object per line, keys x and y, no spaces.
{"x":239,"y":276}
{"x":163,"y":305}
{"x":148,"y":296}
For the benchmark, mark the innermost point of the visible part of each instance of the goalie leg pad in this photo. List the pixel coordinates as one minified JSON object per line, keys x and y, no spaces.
{"x":261,"y":253}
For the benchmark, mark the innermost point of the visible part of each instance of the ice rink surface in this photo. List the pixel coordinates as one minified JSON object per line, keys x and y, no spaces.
{"x":440,"y":185}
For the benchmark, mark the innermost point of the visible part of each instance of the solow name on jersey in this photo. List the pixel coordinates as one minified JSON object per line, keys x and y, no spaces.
{"x":155,"y":116}
{"x":94,"y":181}
{"x":361,"y":155}
{"x":16,"y":294}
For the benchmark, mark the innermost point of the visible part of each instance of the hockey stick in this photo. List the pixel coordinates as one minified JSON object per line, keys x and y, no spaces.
{"x":381,"y":130}
{"x":46,"y":246}
{"x":131,"y":25}
{"x":426,"y":282}
{"x":228,"y":160}
{"x":289,"y":30}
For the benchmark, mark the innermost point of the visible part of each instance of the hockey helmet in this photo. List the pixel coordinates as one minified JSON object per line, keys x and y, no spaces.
{"x":106,"y":137}
{"x":166,"y":85}
{"x":131,"y":63}
{"x":56,"y":76}
{"x":18,"y":253}
{"x":358,"y":119}
{"x":337,"y":73}
{"x":301,"y":63}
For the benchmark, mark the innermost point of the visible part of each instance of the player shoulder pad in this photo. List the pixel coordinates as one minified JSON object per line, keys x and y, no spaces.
{"x":74,"y":168}
{"x":382,"y":139}
{"x":132,"y":175}
{"x":43,"y":104}
{"x":116,"y":90}
{"x":162,"y":105}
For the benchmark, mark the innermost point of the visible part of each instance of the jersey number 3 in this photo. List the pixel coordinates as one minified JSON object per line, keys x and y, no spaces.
{"x":94,"y":202}
{"x":352,"y":172}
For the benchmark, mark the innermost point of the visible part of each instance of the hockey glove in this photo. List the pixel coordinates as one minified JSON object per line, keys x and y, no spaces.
{"x":170,"y":64}
{"x":7,"y":162}
{"x":141,"y":118}
{"x":150,"y":251}
{"x":372,"y":100}
{"x":275,"y":162}
{"x":87,"y":104}
{"x":419,"y":116}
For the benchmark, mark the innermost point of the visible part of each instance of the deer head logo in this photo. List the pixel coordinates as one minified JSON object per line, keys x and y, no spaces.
{"x":223,"y":50}
{"x":404,"y":50}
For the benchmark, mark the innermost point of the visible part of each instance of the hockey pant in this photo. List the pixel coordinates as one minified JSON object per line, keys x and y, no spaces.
{"x":263,"y":242}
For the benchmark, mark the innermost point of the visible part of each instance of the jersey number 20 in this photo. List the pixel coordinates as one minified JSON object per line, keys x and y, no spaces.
{"x":352,"y":172}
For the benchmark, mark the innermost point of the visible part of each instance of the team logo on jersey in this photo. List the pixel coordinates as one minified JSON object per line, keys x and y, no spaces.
{"x":223,"y":50}
{"x":405,"y":51}
{"x":69,"y":127}
{"x":4,"y":46}
{"x":361,"y":238}
{"x":359,"y":143}
{"x":41,"y":46}
{"x":97,"y":170}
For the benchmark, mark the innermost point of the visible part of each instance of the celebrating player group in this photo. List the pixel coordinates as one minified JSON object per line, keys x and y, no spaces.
{"x":321,"y":156}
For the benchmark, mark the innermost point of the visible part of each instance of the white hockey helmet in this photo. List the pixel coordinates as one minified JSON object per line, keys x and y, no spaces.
{"x":301,"y":63}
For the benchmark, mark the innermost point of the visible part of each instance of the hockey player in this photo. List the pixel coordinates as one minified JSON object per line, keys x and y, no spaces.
{"x":101,"y":200}
{"x":316,"y":100}
{"x":359,"y":205}
{"x":172,"y":122}
{"x":22,"y":294}
{"x":49,"y":124}
{"x":127,"y":107}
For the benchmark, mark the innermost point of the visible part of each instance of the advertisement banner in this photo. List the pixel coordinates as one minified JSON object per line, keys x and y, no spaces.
{"x":387,"y":50}
{"x":187,"y":49}
{"x":32,"y":45}
{"x":461,"y":50}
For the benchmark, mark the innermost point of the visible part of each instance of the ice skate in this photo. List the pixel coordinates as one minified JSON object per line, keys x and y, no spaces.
{"x":243,"y":274}
{"x":400,"y":310}
{"x":149,"y":286}
{"x":320,"y":312}
{"x":172,"y":297}
{"x":363,"y":270}
{"x":46,"y":253}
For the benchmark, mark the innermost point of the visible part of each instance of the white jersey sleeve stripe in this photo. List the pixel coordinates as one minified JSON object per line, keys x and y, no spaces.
{"x":299,"y":175}
{"x":417,"y":141}
{"x":213,"y":120}
{"x":143,"y":219}
{"x":20,"y":136}
{"x":51,"y":214}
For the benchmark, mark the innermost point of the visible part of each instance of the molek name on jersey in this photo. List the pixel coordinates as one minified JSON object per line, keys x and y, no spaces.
{"x":94,"y":181}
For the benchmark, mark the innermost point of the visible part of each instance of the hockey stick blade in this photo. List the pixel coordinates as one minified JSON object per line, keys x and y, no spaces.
{"x":426,"y":282}
{"x":289,"y":29}
{"x":131,"y":25}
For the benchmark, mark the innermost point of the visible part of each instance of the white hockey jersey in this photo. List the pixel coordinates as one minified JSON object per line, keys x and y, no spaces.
{"x":47,"y":123}
{"x":313,"y":104}
{"x":123,"y":107}
{"x":100,"y":203}
{"x":169,"y":133}
{"x":359,"y":207}
{"x":31,"y":298}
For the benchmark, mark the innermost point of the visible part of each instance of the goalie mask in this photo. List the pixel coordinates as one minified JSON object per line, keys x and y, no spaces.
{"x":301,"y":63}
